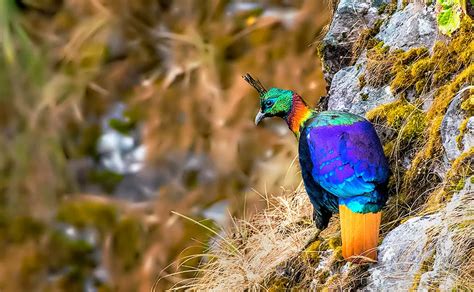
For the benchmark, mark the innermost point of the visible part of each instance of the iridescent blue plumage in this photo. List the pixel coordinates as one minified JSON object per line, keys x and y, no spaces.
{"x":343,"y":163}
{"x":343,"y":166}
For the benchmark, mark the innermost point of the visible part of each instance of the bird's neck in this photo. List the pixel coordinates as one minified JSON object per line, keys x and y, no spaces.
{"x":299,"y":114}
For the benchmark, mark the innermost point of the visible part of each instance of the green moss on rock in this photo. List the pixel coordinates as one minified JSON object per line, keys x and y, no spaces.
{"x":31,"y":266}
{"x":454,"y":55}
{"x":19,"y":229}
{"x":460,"y":170}
{"x":366,"y":39}
{"x":402,"y":116}
{"x":379,"y":64}
{"x":415,"y":68}
{"x":128,"y":243}
{"x":446,"y":93}
{"x":24,"y":227}
{"x":335,"y":242}
{"x":435,"y":114}
{"x":123,"y":126}
{"x":468,"y":105}
{"x":68,"y":251}
{"x":445,"y":72}
{"x":311,"y":253}
{"x":421,"y":172}
{"x":396,"y":67}
{"x":106,"y":178}
{"x":389,"y":8}
{"x":362,"y":82}
{"x":81,"y":214}
{"x":426,"y":266}
{"x":462,"y":130}
{"x":410,"y":67}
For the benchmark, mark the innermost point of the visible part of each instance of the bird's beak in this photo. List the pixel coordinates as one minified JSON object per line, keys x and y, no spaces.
{"x":260,"y":116}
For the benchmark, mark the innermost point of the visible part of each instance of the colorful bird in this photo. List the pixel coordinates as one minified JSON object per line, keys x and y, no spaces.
{"x":343,"y":166}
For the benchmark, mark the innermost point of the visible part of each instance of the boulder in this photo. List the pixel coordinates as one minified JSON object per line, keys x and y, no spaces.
{"x":350,"y":17}
{"x":426,"y":252}
{"x":450,"y":128}
{"x":415,"y":26}
{"x":347,"y":95}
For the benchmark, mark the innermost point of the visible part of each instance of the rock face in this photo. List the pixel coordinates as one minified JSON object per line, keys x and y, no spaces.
{"x":402,"y":253}
{"x":350,"y":17}
{"x":347,"y":95}
{"x":452,"y":121}
{"x":425,"y":251}
{"x":414,"y":26}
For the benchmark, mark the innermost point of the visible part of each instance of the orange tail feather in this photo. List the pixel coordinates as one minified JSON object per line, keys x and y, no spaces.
{"x":360,"y":235}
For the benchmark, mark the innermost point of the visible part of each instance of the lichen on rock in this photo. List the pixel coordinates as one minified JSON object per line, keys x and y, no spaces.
{"x":414,"y":26}
{"x":350,"y":17}
{"x":457,"y":123}
{"x":428,"y":252}
{"x":353,"y":98}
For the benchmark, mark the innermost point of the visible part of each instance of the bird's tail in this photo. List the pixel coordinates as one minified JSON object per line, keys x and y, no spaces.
{"x":360,"y":235}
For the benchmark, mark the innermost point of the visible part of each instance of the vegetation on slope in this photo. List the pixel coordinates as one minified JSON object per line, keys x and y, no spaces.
{"x":412,"y":125}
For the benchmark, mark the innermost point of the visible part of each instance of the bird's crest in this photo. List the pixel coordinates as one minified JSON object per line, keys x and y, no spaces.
{"x":255,"y":84}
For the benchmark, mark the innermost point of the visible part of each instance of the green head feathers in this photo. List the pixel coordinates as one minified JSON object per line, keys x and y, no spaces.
{"x":276,"y":102}
{"x":273,"y":102}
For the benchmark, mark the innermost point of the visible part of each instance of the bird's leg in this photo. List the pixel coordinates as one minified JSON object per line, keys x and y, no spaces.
{"x":321,"y":217}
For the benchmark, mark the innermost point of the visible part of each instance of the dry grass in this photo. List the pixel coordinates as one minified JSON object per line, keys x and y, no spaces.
{"x":276,"y":249}
{"x":261,"y":244}
{"x":280,"y":248}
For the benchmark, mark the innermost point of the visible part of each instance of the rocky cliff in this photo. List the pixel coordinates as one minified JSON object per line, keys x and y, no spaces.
{"x":390,"y":62}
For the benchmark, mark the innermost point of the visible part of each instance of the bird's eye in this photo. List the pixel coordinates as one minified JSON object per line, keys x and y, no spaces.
{"x":268,"y":103}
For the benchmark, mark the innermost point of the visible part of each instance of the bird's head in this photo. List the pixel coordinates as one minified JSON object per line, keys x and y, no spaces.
{"x":273,"y":102}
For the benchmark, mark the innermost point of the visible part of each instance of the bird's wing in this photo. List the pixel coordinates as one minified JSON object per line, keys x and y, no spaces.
{"x":348,"y":160}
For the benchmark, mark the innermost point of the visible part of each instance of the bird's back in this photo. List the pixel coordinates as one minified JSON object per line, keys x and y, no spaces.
{"x":347,"y":162}
{"x":347,"y":159}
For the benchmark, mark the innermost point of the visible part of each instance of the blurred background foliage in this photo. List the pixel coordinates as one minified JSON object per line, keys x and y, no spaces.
{"x":115,"y":113}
